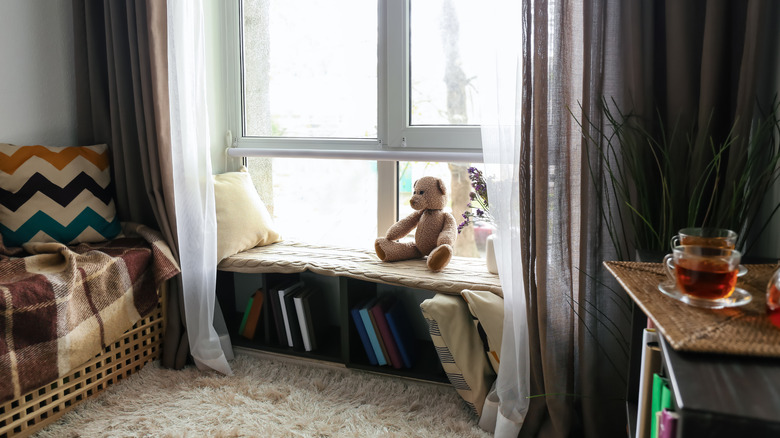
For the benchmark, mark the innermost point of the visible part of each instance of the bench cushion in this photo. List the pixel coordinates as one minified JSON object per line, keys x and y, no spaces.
{"x":290,"y":257}
{"x":459,"y":348}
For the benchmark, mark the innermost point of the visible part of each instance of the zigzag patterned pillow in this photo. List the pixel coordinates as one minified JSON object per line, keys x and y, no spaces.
{"x":56,"y":194}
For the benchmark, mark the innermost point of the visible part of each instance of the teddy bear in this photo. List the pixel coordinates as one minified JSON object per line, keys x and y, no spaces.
{"x":436,"y":229}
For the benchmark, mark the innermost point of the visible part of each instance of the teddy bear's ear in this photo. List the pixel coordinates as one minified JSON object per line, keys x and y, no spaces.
{"x":442,"y":187}
{"x":414,"y":184}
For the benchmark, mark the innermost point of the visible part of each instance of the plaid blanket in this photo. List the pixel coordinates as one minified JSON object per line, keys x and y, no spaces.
{"x":61,"y":305}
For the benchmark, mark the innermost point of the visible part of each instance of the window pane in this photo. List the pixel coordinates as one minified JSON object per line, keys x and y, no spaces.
{"x":444,"y":62}
{"x":327,"y":202}
{"x":471,"y":240}
{"x":310,"y":68}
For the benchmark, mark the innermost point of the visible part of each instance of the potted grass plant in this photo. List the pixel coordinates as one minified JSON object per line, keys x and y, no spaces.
{"x":653,"y":180}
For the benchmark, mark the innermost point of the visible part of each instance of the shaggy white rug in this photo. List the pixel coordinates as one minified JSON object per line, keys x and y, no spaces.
{"x":269,"y":398}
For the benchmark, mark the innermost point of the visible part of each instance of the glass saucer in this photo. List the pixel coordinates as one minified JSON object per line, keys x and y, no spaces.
{"x":739,"y":297}
{"x":742,"y":271}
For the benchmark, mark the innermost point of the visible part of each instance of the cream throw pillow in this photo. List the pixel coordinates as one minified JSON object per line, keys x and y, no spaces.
{"x":488,"y":311}
{"x":243,"y":221}
{"x":459,"y":348}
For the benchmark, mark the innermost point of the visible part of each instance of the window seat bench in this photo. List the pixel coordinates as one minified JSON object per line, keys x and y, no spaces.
{"x":361,"y":264}
{"x":445,"y":343}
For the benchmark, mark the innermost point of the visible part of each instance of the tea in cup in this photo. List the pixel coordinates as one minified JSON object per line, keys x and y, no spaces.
{"x":703,"y":272}
{"x":712,"y":237}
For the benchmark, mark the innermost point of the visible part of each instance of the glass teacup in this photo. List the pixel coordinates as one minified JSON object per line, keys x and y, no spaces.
{"x":712,"y":237}
{"x":703,"y":272}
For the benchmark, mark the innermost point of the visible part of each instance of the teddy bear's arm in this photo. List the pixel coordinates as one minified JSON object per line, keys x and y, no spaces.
{"x":449,"y":232}
{"x":404,"y":226}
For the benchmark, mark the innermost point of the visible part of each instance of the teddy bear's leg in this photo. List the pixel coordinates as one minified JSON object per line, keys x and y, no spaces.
{"x":439,"y":257}
{"x":390,"y":251}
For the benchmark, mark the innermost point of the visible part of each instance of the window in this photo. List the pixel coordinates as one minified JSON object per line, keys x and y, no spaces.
{"x":319,"y":201}
{"x":379,"y":77}
{"x":309,"y":72}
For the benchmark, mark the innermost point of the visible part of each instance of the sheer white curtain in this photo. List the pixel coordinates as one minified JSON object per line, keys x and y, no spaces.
{"x":193,"y":186}
{"x":501,"y":146}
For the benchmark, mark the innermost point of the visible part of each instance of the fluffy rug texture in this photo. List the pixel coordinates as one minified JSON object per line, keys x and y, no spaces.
{"x":269,"y":398}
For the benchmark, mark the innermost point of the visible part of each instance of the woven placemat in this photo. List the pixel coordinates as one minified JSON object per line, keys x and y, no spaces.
{"x":742,"y":330}
{"x":289,"y":257}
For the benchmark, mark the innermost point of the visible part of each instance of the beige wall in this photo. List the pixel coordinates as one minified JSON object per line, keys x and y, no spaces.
{"x":37,"y":85}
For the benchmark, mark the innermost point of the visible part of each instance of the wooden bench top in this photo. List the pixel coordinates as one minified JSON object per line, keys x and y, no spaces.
{"x":292,"y":257}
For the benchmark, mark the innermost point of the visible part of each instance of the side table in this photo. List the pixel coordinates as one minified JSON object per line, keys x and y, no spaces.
{"x":723,"y":365}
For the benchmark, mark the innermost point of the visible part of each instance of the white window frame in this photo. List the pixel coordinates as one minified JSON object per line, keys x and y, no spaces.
{"x":397,"y":139}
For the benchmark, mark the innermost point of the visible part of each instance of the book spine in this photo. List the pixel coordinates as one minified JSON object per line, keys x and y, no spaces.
{"x":650,"y":363}
{"x":247,"y":311}
{"x":658,"y":402}
{"x":399,"y":326}
{"x":292,"y":320}
{"x":364,"y":315}
{"x":312,"y":329}
{"x":361,"y":328}
{"x":305,"y":330}
{"x":668,"y":427}
{"x":254,"y":315}
{"x":387,"y":336}
{"x":285,"y":318}
{"x":379,"y":338}
{"x":281,"y":336}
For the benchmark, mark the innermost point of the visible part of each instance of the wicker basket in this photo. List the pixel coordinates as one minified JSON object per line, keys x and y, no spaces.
{"x":127,"y":355}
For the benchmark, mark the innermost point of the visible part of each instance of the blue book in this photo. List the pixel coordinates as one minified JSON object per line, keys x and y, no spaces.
{"x":361,"y":328}
{"x":399,"y":327}
{"x":372,"y":335}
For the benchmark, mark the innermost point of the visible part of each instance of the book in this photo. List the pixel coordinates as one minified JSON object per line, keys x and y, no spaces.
{"x":246,"y":316}
{"x":268,"y":325}
{"x":372,"y":335}
{"x":276,"y":310}
{"x":378,"y":312}
{"x":292,"y":324}
{"x":254,"y":315}
{"x":668,"y":426}
{"x":284,"y":290}
{"x":361,"y":329}
{"x":303,"y":310}
{"x":662,"y":398}
{"x":650,"y":363}
{"x":398,"y":322}
{"x":378,"y":334}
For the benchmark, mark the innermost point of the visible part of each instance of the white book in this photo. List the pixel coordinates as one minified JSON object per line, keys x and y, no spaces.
{"x":282,"y":293}
{"x":649,"y":336}
{"x":303,"y":320}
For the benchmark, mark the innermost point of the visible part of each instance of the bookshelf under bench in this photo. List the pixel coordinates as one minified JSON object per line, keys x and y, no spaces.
{"x":341,"y":279}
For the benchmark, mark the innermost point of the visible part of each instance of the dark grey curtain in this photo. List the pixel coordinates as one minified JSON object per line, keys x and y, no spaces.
{"x":121,"y":51}
{"x":701,"y":66}
{"x":685,"y":60}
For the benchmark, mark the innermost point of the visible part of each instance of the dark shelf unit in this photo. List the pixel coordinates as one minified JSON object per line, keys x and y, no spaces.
{"x":715,"y":395}
{"x":340,"y":343}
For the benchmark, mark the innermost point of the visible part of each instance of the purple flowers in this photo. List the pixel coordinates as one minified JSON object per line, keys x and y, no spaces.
{"x":481,"y":211}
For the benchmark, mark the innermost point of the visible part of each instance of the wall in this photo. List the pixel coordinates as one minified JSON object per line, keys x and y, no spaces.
{"x":37,"y":84}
